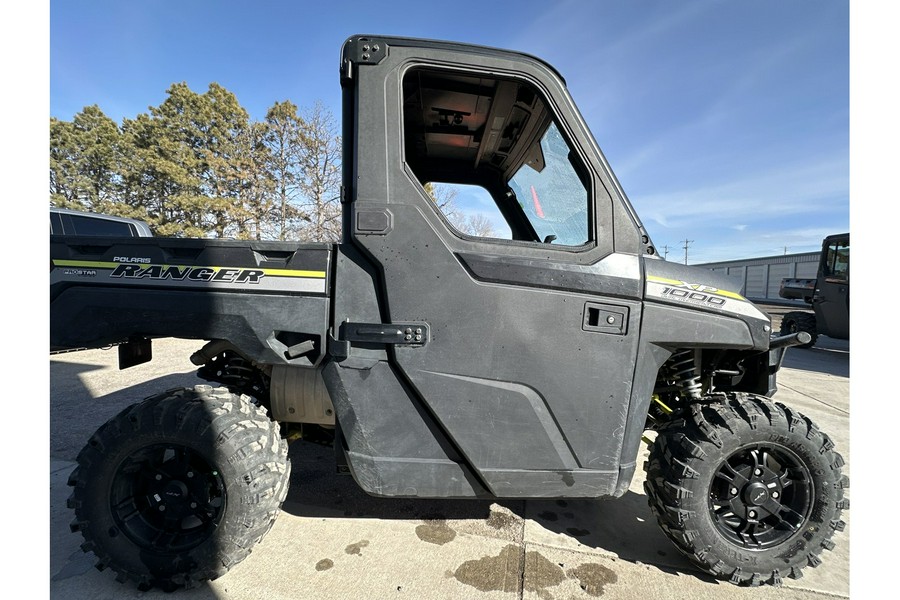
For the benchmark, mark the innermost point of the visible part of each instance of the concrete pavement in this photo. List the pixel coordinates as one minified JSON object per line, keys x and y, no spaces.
{"x":332,"y":541}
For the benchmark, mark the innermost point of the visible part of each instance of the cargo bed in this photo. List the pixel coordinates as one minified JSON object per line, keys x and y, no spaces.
{"x":265,"y":297}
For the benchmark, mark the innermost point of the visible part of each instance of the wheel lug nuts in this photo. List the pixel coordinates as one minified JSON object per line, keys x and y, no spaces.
{"x":752,"y":514}
{"x":161,"y":508}
{"x":734,"y":491}
{"x":757,"y":472}
{"x":774,"y":494}
{"x":190,"y":474}
{"x":159,"y":477}
{"x":193,"y":505}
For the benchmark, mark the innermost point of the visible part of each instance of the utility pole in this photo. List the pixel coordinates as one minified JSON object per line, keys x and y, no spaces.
{"x":686,"y":244}
{"x":665,"y":252}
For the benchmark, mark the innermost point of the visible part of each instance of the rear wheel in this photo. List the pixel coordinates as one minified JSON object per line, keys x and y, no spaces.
{"x":749,"y":490}
{"x":178,"y":488}
{"x":794,"y":322}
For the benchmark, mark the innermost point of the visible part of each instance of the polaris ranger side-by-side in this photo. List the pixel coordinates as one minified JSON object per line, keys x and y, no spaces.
{"x":446,"y":365}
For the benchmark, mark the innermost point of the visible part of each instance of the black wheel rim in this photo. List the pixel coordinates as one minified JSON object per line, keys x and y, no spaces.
{"x":167,"y":498}
{"x":761,"y":496}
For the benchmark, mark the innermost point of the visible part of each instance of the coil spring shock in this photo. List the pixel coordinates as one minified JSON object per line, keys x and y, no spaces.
{"x":235,"y":372}
{"x":682,"y":369}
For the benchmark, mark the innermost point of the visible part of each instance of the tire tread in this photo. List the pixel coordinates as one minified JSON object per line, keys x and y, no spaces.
{"x":247,"y":439}
{"x":686,"y":447}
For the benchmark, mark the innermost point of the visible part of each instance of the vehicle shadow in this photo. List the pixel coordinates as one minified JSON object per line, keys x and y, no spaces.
{"x":622,"y":526}
{"x":75,"y":412}
{"x":318,"y":490}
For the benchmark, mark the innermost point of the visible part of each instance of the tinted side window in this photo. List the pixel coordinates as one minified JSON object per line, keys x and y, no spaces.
{"x":837,"y":261}
{"x":89,"y":226}
{"x":56,"y":227}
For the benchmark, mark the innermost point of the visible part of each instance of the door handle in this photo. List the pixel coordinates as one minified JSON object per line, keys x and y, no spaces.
{"x":605,"y":318}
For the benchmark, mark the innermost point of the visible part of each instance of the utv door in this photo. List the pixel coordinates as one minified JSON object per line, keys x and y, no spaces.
{"x":832,"y":298}
{"x":520,"y":345}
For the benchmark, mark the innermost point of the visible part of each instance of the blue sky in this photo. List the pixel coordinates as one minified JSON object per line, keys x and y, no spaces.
{"x":727,"y":122}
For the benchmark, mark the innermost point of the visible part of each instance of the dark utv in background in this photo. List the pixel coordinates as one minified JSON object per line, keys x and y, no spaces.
{"x":829,"y":295}
{"x":444,"y":365}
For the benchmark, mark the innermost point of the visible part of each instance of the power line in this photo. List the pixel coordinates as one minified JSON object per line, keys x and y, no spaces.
{"x":686,"y":244}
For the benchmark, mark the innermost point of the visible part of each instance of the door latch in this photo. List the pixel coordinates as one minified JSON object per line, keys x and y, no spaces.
{"x":401,"y":334}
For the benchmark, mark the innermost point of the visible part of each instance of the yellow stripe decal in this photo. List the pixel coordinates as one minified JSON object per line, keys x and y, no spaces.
{"x":112,"y":265}
{"x":699,"y":288}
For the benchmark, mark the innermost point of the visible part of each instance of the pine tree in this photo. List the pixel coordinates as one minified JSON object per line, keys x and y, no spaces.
{"x":84,"y":161}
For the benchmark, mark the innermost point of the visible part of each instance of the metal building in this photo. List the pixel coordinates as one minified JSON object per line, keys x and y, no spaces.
{"x":760,"y":278}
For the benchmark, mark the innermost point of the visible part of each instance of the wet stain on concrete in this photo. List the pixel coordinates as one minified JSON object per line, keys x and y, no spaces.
{"x":493,"y":573}
{"x":568,"y":479}
{"x":324,"y":564}
{"x":548,"y":515}
{"x":357,"y":547}
{"x":593,"y":577}
{"x":435,"y":532}
{"x":541,"y":574}
{"x":577,"y":531}
{"x":500,"y":520}
{"x":504,"y":573}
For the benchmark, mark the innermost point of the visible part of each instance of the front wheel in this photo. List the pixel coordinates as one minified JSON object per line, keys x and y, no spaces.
{"x":749,"y":490}
{"x":178,"y":488}
{"x":794,"y":322}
